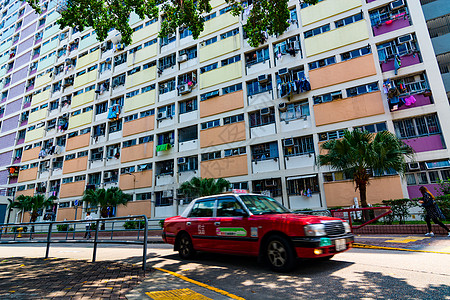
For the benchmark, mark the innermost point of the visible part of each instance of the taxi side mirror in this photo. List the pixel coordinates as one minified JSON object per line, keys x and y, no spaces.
{"x":240,"y":213}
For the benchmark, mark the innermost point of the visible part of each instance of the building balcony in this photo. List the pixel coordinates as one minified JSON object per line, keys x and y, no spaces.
{"x":400,"y":21}
{"x":299,"y":161}
{"x":164,"y":179}
{"x":188,"y":145}
{"x":406,"y":60}
{"x":426,"y":143}
{"x":267,"y":165}
{"x":263,"y":130}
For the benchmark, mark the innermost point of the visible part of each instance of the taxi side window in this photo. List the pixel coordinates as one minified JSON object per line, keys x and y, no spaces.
{"x":203,"y":209}
{"x":227,"y":207}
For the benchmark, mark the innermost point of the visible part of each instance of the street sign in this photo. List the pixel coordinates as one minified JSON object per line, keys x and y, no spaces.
{"x":76,"y":202}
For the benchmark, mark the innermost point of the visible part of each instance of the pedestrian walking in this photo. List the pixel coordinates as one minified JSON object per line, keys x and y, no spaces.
{"x":88,"y":218}
{"x":433,"y":211}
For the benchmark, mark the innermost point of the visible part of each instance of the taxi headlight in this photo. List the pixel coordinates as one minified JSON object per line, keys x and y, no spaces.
{"x":315,"y":230}
{"x":347,"y":227}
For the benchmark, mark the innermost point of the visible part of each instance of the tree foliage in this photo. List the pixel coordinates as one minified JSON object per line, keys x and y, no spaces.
{"x":32,"y":204}
{"x":199,"y":187}
{"x":357,"y":152}
{"x":269,"y":16}
{"x":104,"y":198}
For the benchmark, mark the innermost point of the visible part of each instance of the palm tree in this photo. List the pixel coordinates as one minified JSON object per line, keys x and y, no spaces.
{"x":105,"y":198}
{"x":22,"y":203}
{"x":360,"y":151}
{"x":199,"y":187}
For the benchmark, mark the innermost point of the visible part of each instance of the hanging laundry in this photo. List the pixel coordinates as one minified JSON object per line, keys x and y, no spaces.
{"x":114,"y":111}
{"x":397,"y":63}
{"x":410,"y":100}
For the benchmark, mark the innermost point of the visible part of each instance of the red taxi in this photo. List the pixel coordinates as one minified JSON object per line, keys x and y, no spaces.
{"x":255,"y":225}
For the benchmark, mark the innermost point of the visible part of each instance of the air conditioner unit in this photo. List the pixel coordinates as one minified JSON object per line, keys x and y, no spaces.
{"x":184,"y":89}
{"x":263,"y":78}
{"x":182,"y":58}
{"x":288,"y":142}
{"x":265,"y":111}
{"x":167,"y":194}
{"x":413,"y":166}
{"x":182,"y":160}
{"x":104,"y":45}
{"x":282,"y":106}
{"x":404,"y":39}
{"x":397,"y":4}
{"x":283,"y":71}
{"x":162,"y":115}
{"x":107,"y":175}
{"x":270,"y":182}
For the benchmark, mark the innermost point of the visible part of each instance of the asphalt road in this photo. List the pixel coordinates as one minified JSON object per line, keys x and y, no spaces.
{"x":356,"y":274}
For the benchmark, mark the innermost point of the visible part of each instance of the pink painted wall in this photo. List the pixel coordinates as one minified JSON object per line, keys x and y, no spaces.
{"x":425,"y":143}
{"x":421,"y":100}
{"x":385,"y":28}
{"x":407,"y":60}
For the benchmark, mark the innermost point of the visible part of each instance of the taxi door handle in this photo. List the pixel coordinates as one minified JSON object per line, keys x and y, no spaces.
{"x":188,"y":223}
{"x":217,"y":223}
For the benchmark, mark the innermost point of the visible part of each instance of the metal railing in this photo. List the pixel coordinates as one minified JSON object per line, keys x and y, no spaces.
{"x":350,"y":214}
{"x":79,"y":231}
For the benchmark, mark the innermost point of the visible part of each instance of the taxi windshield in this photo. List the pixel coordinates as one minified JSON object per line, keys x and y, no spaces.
{"x":259,"y":205}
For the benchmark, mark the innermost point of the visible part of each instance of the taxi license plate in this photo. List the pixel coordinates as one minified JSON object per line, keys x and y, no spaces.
{"x":340,"y":244}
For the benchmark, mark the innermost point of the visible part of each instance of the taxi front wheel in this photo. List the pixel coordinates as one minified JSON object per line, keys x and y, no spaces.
{"x":186,"y":248}
{"x":280,"y":254}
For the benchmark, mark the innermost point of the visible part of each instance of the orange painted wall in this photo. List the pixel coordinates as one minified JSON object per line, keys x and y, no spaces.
{"x":75,"y":165}
{"x":138,"y":126}
{"x":72,"y":189}
{"x":29,"y":192}
{"x":137,"y":152}
{"x":27,"y":175}
{"x":68,"y":213}
{"x":341,"y":193}
{"x":222,"y":135}
{"x":31,"y":154}
{"x":342,"y":72}
{"x":143,"y":179}
{"x":135,"y":208}
{"x":362,"y":106}
{"x":78,"y":141}
{"x":222,"y":104}
{"x":224,"y":167}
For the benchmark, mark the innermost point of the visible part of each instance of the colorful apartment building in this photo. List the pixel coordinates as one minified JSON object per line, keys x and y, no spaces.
{"x":78,"y":114}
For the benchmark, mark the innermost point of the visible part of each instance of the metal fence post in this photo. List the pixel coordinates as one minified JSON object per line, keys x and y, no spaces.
{"x":49,"y":235}
{"x":95,"y":240}
{"x":144,"y":255}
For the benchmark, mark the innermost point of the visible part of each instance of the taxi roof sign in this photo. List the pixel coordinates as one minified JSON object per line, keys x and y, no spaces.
{"x":239,"y":191}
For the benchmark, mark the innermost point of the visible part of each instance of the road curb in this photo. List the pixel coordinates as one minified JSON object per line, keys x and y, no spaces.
{"x":358,"y":245}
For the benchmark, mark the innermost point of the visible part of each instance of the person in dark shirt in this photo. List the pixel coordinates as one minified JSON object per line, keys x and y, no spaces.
{"x":432,"y":211}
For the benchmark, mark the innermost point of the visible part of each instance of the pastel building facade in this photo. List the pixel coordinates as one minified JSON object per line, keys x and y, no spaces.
{"x":78,"y":114}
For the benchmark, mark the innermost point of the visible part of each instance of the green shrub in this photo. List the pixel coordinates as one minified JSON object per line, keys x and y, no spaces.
{"x":444,"y":204}
{"x":62,"y":227}
{"x":134,"y":224}
{"x":161,"y":223}
{"x":400,"y":210}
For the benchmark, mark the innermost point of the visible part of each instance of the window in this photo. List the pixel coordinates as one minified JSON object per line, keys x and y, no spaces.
{"x":210,"y":124}
{"x":132,"y":94}
{"x":389,"y":50}
{"x":188,"y":106}
{"x":131,"y":118}
{"x":232,"y":89}
{"x":211,"y":155}
{"x":298,"y":146}
{"x":383,"y":14}
{"x":146,"y":139}
{"x":230,"y":60}
{"x":331,"y":135}
{"x":67,"y":180}
{"x":228,"y":207}
{"x":262,"y":117}
{"x":317,"y":31}
{"x":225,"y":10}
{"x":167,"y":62}
{"x":295,"y":111}
{"x":264,"y":151}
{"x":418,"y":126}
{"x":301,"y":186}
{"x":101,"y":108}
{"x":167,"y":86}
{"x":149,"y":43}
{"x":80,"y":178}
{"x":208,"y":68}
{"x":129,"y":143}
{"x":82,"y":153}
{"x":70,"y":156}
{"x":229,"y":34}
{"x":362,"y":89}
{"x":235,"y":151}
{"x":209,"y":17}
{"x":209,"y":95}
{"x":356,"y":53}
{"x":148,"y":88}
{"x":143,"y":196}
{"x":204,"y":208}
{"x":373,"y":128}
{"x":147,"y":113}
{"x":327,"y":97}
{"x":186,"y":164}
{"x":257,"y":56}
{"x":233,"y":119}
{"x":322,"y":63}
{"x":349,"y":20}
{"x":257,"y":87}
{"x":115,"y":126}
{"x":185,"y":32}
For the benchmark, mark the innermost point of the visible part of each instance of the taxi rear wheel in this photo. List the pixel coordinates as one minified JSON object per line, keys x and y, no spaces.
{"x":186,"y":248}
{"x":280,"y":254}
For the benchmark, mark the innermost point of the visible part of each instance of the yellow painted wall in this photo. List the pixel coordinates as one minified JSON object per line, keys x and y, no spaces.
{"x":336,"y":38}
{"x":220,"y":47}
{"x":88,"y":59}
{"x":216,"y":3}
{"x":220,"y":75}
{"x":141,"y":77}
{"x":145,"y":32}
{"x":35,"y":134}
{"x":341,"y":193}
{"x":44,"y":79}
{"x":37,"y":115}
{"x":83,"y":98}
{"x":326,"y":9}
{"x":41,"y":97}
{"x":219,"y":22}
{"x":138,"y":101}
{"x":85,"y":78}
{"x":80,"y":120}
{"x":143,"y":54}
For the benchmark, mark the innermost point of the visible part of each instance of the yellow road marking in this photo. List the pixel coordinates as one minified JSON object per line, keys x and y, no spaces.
{"x":201,"y":284}
{"x":406,"y":239}
{"x":357,"y":245}
{"x":180,"y":294}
